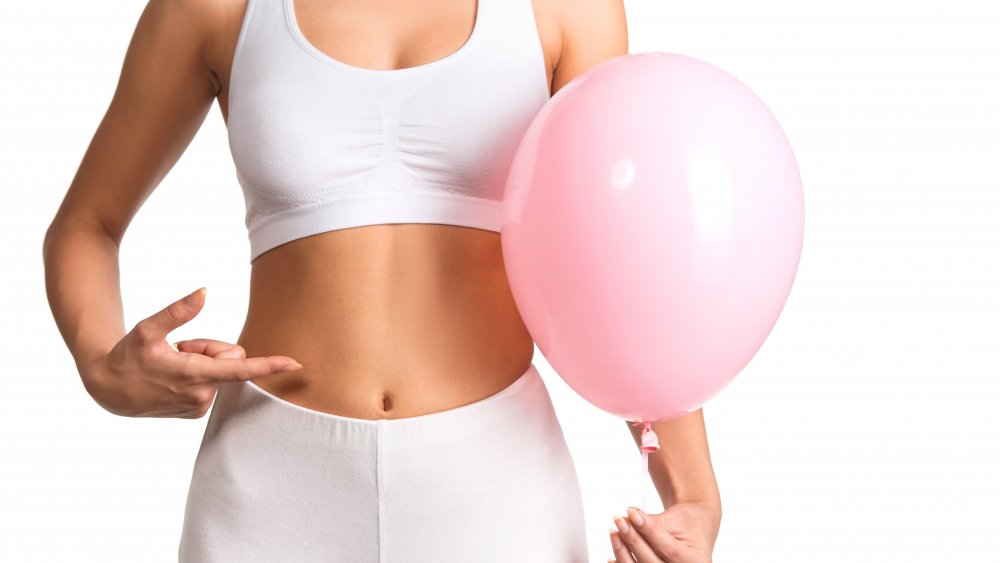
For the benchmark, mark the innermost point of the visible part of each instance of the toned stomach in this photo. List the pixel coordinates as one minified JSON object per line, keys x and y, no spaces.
{"x":388,"y":321}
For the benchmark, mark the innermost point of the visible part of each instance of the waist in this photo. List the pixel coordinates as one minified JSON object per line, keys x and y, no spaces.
{"x":388,"y":321}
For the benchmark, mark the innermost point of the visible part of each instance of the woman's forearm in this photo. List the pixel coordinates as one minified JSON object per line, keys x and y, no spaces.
{"x":681,"y":469}
{"x":83,"y":288}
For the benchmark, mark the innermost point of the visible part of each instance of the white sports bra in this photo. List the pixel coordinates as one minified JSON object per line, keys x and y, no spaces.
{"x":321,"y":145}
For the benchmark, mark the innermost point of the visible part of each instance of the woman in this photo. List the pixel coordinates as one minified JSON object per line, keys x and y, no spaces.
{"x":381,"y":402}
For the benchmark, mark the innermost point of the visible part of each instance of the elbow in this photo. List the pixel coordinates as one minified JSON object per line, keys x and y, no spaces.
{"x":53,"y":234}
{"x":47,"y":241}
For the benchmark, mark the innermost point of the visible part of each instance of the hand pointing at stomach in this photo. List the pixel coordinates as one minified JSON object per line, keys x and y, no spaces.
{"x":144,"y":376}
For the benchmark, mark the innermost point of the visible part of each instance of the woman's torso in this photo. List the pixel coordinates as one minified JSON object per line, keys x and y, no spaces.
{"x":388,"y":320}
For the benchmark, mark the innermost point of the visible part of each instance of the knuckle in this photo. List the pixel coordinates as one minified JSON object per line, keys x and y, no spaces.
{"x":174,"y":311}
{"x":205,"y":398}
{"x":243,"y":373}
{"x":200,"y":396}
{"x":190,"y":370}
{"x":143,"y":332}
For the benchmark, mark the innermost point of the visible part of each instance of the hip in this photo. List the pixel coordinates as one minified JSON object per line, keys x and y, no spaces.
{"x":492,"y":480}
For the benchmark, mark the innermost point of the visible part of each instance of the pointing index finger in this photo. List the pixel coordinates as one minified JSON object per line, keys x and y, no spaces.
{"x":241,"y":369}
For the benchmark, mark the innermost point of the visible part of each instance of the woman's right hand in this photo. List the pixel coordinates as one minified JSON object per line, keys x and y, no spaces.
{"x":144,"y":376}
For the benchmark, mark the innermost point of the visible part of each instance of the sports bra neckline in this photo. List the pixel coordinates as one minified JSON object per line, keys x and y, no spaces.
{"x":309,"y":47}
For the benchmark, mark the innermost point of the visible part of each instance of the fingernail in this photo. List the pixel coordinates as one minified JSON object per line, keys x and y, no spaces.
{"x":292,"y":367}
{"x":634,"y":516}
{"x":622,"y":524}
{"x":616,"y":542}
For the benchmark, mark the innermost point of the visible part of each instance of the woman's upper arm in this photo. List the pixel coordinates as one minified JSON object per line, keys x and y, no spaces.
{"x":163,"y":94}
{"x":593,"y":31}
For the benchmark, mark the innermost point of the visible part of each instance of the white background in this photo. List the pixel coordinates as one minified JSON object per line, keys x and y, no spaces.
{"x":865,"y":429}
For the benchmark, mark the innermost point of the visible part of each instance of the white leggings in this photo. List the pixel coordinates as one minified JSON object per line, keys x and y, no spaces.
{"x":491,"y":481}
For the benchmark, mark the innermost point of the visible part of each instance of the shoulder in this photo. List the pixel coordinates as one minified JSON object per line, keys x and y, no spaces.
{"x":214,"y":25}
{"x":591,"y":31}
{"x":209,"y":27}
{"x":177,"y":34}
{"x":194,"y":18}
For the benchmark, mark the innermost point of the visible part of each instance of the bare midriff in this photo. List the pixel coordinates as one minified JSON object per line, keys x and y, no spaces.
{"x":388,"y":321}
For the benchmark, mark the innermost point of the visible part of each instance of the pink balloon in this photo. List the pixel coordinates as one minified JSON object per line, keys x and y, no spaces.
{"x":652,"y":228}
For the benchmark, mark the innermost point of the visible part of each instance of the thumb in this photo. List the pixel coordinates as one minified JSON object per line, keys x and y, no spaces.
{"x":177,"y":313}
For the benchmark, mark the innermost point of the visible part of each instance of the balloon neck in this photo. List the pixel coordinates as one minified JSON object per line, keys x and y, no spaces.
{"x":648,"y":442}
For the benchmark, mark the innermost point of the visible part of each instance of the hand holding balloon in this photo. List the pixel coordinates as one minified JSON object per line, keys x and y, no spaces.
{"x":683,"y":533}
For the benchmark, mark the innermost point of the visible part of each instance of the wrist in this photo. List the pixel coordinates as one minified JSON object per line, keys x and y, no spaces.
{"x":710,"y":502}
{"x":707,"y":495}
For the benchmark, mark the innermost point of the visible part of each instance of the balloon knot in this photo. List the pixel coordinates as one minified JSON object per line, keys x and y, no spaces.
{"x":648,"y":442}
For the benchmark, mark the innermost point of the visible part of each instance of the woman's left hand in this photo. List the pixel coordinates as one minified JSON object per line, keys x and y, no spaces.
{"x":683,"y":533}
